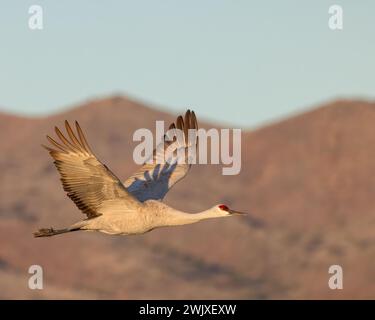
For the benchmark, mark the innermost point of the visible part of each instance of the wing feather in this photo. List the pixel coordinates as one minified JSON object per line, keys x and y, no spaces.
{"x":88,"y":182}
{"x":154,"y":180}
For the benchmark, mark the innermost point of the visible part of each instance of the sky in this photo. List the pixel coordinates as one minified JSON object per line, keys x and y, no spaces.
{"x":241,"y":62}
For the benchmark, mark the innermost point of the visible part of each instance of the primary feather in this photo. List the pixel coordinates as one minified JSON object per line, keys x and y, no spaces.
{"x":153,"y":180}
{"x":88,"y":182}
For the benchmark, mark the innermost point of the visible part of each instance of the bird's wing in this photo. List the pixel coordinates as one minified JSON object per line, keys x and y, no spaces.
{"x":154,"y":180}
{"x":88,"y":182}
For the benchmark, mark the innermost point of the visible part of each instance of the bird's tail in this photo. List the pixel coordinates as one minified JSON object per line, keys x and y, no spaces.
{"x":49,"y":232}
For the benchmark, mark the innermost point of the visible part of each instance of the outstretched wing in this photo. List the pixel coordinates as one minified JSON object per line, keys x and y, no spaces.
{"x":88,"y":182}
{"x":154,"y":180}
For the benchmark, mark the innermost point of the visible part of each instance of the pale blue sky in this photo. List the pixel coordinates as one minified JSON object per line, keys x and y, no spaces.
{"x":240,"y":62}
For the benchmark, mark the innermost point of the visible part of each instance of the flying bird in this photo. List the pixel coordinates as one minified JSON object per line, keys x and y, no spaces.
{"x":124,"y":208}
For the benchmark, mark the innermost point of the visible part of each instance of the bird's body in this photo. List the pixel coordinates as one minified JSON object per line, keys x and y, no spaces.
{"x":132,"y":207}
{"x":153,"y":214}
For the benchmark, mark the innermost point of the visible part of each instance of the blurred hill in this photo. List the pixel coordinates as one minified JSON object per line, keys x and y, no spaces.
{"x":310,"y":178}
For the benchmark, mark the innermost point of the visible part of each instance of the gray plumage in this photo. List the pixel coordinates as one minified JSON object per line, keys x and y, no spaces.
{"x":132,"y":207}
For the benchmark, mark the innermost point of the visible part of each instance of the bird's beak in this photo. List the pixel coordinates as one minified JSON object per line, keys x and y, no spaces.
{"x":236,"y":212}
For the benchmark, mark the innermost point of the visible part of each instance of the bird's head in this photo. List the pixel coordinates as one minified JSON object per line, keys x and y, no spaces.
{"x":224,"y":210}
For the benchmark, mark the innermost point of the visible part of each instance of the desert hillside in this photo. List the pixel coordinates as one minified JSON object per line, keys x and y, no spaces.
{"x":310,"y":178}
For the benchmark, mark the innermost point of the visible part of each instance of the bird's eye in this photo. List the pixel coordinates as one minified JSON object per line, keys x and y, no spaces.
{"x":223,"y":207}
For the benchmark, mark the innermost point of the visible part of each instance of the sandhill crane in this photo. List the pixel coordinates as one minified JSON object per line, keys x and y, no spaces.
{"x":113,"y":207}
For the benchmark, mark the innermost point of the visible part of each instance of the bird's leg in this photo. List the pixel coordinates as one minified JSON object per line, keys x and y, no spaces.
{"x":49,"y":232}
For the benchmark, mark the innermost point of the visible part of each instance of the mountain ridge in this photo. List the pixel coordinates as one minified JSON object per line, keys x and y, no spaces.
{"x":307,"y":177}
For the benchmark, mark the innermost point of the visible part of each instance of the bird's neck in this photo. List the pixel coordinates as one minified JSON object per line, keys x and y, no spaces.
{"x":176,"y":217}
